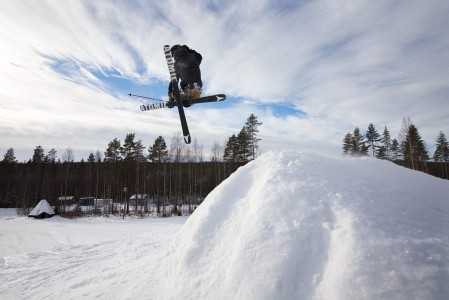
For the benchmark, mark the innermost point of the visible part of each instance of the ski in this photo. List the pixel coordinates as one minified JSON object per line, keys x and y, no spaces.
{"x":152,"y":106}
{"x":145,"y":107}
{"x":214,"y":98}
{"x":185,"y":102}
{"x":174,"y":80}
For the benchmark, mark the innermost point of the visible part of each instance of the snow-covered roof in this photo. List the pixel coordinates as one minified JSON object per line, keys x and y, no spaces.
{"x":41,"y":208}
{"x":139,"y":196}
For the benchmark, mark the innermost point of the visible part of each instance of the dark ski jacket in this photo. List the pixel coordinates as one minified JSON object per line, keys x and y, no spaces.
{"x":187,"y":65}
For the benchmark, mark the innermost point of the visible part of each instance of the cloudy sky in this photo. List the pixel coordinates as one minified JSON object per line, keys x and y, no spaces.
{"x":311,"y":71}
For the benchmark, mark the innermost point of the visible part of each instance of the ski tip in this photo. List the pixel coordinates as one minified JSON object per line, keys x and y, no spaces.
{"x":187,"y":139}
{"x":221,"y":97}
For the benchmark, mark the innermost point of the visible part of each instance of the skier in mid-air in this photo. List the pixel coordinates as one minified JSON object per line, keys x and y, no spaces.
{"x":184,"y":65}
{"x":187,"y":68}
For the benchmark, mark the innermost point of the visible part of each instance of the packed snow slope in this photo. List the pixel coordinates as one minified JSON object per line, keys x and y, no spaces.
{"x":292,"y":225}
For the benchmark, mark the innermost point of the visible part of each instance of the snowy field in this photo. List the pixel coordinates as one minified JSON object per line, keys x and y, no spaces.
{"x":288,"y":225}
{"x":101,"y":258}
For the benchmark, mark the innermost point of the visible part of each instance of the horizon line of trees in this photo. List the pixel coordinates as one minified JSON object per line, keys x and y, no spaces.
{"x":409,"y":151}
{"x":175,"y":174}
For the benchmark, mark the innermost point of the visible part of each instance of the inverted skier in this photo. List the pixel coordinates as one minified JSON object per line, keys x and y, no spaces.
{"x":187,"y":68}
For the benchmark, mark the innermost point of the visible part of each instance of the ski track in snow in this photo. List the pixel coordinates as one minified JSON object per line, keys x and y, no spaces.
{"x":126,"y":266}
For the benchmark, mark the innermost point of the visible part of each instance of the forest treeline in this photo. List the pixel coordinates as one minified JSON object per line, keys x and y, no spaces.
{"x":409,"y":151}
{"x":171,"y":174}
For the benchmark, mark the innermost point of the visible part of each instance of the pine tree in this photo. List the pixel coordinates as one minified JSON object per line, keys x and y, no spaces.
{"x":51,"y":156}
{"x":91,"y":158}
{"x":358,"y":143}
{"x":9,"y":156}
{"x":230,"y":151}
{"x":386,"y":142}
{"x":373,"y":138}
{"x":251,"y":126}
{"x":243,"y":146}
{"x":382,"y":153}
{"x":442,"y":153}
{"x":413,"y":148}
{"x":348,"y":144}
{"x":38,"y":155}
{"x":128,"y":150}
{"x":158,"y":153}
{"x":395,"y":149}
{"x":138,"y":150}
{"x":112,"y":153}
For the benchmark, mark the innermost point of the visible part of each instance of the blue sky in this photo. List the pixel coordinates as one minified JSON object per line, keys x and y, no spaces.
{"x":311,"y":71}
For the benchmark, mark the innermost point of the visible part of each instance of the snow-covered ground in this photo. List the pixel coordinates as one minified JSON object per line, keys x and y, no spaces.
{"x":102,"y":258}
{"x":288,"y":225}
{"x":302,"y":226}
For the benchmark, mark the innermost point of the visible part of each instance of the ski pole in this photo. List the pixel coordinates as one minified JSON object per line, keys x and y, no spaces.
{"x":133,"y":95}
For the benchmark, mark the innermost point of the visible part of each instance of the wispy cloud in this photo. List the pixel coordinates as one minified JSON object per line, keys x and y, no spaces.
{"x":335,"y":64}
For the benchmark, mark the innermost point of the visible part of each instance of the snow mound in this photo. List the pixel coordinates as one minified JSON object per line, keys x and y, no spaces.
{"x":293,"y":225}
